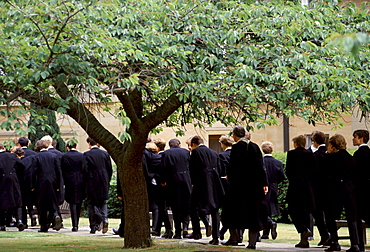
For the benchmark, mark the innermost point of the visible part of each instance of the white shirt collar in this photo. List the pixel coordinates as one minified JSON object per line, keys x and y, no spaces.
{"x":363,"y":145}
{"x":228,"y":148}
{"x":267,"y":155}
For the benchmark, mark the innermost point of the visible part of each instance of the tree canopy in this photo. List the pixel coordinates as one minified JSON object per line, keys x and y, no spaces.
{"x":177,"y":62}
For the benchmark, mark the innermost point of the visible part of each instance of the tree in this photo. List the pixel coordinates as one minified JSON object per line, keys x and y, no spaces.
{"x":177,"y":62}
{"x":43,"y":123}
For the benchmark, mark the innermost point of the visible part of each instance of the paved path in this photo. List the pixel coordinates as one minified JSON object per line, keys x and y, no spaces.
{"x":265,"y":246}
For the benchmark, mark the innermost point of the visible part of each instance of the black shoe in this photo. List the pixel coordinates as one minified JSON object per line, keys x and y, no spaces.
{"x":302,"y":245}
{"x":20,"y":226}
{"x":184,"y":233}
{"x":93,"y":229}
{"x":251,"y":246}
{"x":194,"y":236}
{"x":33,"y":221}
{"x":105,"y":227}
{"x":230,"y":243}
{"x":334,"y":247}
{"x":273,"y":231}
{"x":155,"y":233}
{"x":74,"y":229}
{"x":178,"y":236}
{"x":57,"y":223}
{"x":324,"y":241}
{"x":43,"y":230}
{"x":208,"y":230}
{"x":2,"y":228}
{"x":222,"y":237}
{"x":264,"y":237}
{"x":115,"y":231}
{"x":214,"y":242}
{"x":354,"y":248}
{"x":304,"y":239}
{"x":362,"y":247}
{"x":168,"y":234}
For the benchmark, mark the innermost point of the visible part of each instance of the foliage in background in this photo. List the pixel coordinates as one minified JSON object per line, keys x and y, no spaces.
{"x":282,"y":191}
{"x":43,"y":122}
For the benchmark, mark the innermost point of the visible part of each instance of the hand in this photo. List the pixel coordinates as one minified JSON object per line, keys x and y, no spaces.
{"x":164,"y":184}
{"x":265,"y":189}
{"x":119,"y":197}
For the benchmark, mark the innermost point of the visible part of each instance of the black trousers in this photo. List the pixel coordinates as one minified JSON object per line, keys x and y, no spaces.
{"x":46,"y":217}
{"x":194,"y":214}
{"x":75,"y":213}
{"x":300,"y":217}
{"x":162,"y":215}
{"x":343,"y":197}
{"x":98,"y":212}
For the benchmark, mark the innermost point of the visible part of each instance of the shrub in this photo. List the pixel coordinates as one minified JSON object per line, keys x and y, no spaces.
{"x":282,"y":191}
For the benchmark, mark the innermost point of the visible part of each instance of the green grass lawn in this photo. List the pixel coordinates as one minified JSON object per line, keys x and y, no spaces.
{"x":64,"y":241}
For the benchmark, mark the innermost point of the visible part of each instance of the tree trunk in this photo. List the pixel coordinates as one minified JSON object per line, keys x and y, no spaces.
{"x":137,"y":222}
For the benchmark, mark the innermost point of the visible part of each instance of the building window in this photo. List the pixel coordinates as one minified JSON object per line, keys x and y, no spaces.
{"x":214,"y":144}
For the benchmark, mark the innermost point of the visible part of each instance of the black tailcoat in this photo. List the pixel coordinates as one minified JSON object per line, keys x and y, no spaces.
{"x":224,"y":162}
{"x":26,"y":184}
{"x":151,"y":168}
{"x":362,"y":181}
{"x":10,"y":191}
{"x":243,"y":207}
{"x":204,"y":167}
{"x":59,"y":155}
{"x":275,"y":174}
{"x":47,"y":180}
{"x":56,"y":152}
{"x":73,"y":166}
{"x":318,"y":180}
{"x":300,"y":166}
{"x":339,"y":170}
{"x":99,"y":172}
{"x":175,"y":173}
{"x":28,"y":152}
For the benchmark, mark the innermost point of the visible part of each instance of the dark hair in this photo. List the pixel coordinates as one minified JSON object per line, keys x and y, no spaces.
{"x":174,"y":142}
{"x":161,"y":144}
{"x":318,"y":136}
{"x":239,"y":131}
{"x":362,"y":134}
{"x":41,"y":144}
{"x":300,"y":141}
{"x":19,"y":152}
{"x":196,"y":140}
{"x":338,"y":142}
{"x":23,"y":141}
{"x":91,"y":141}
{"x":71,"y":144}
